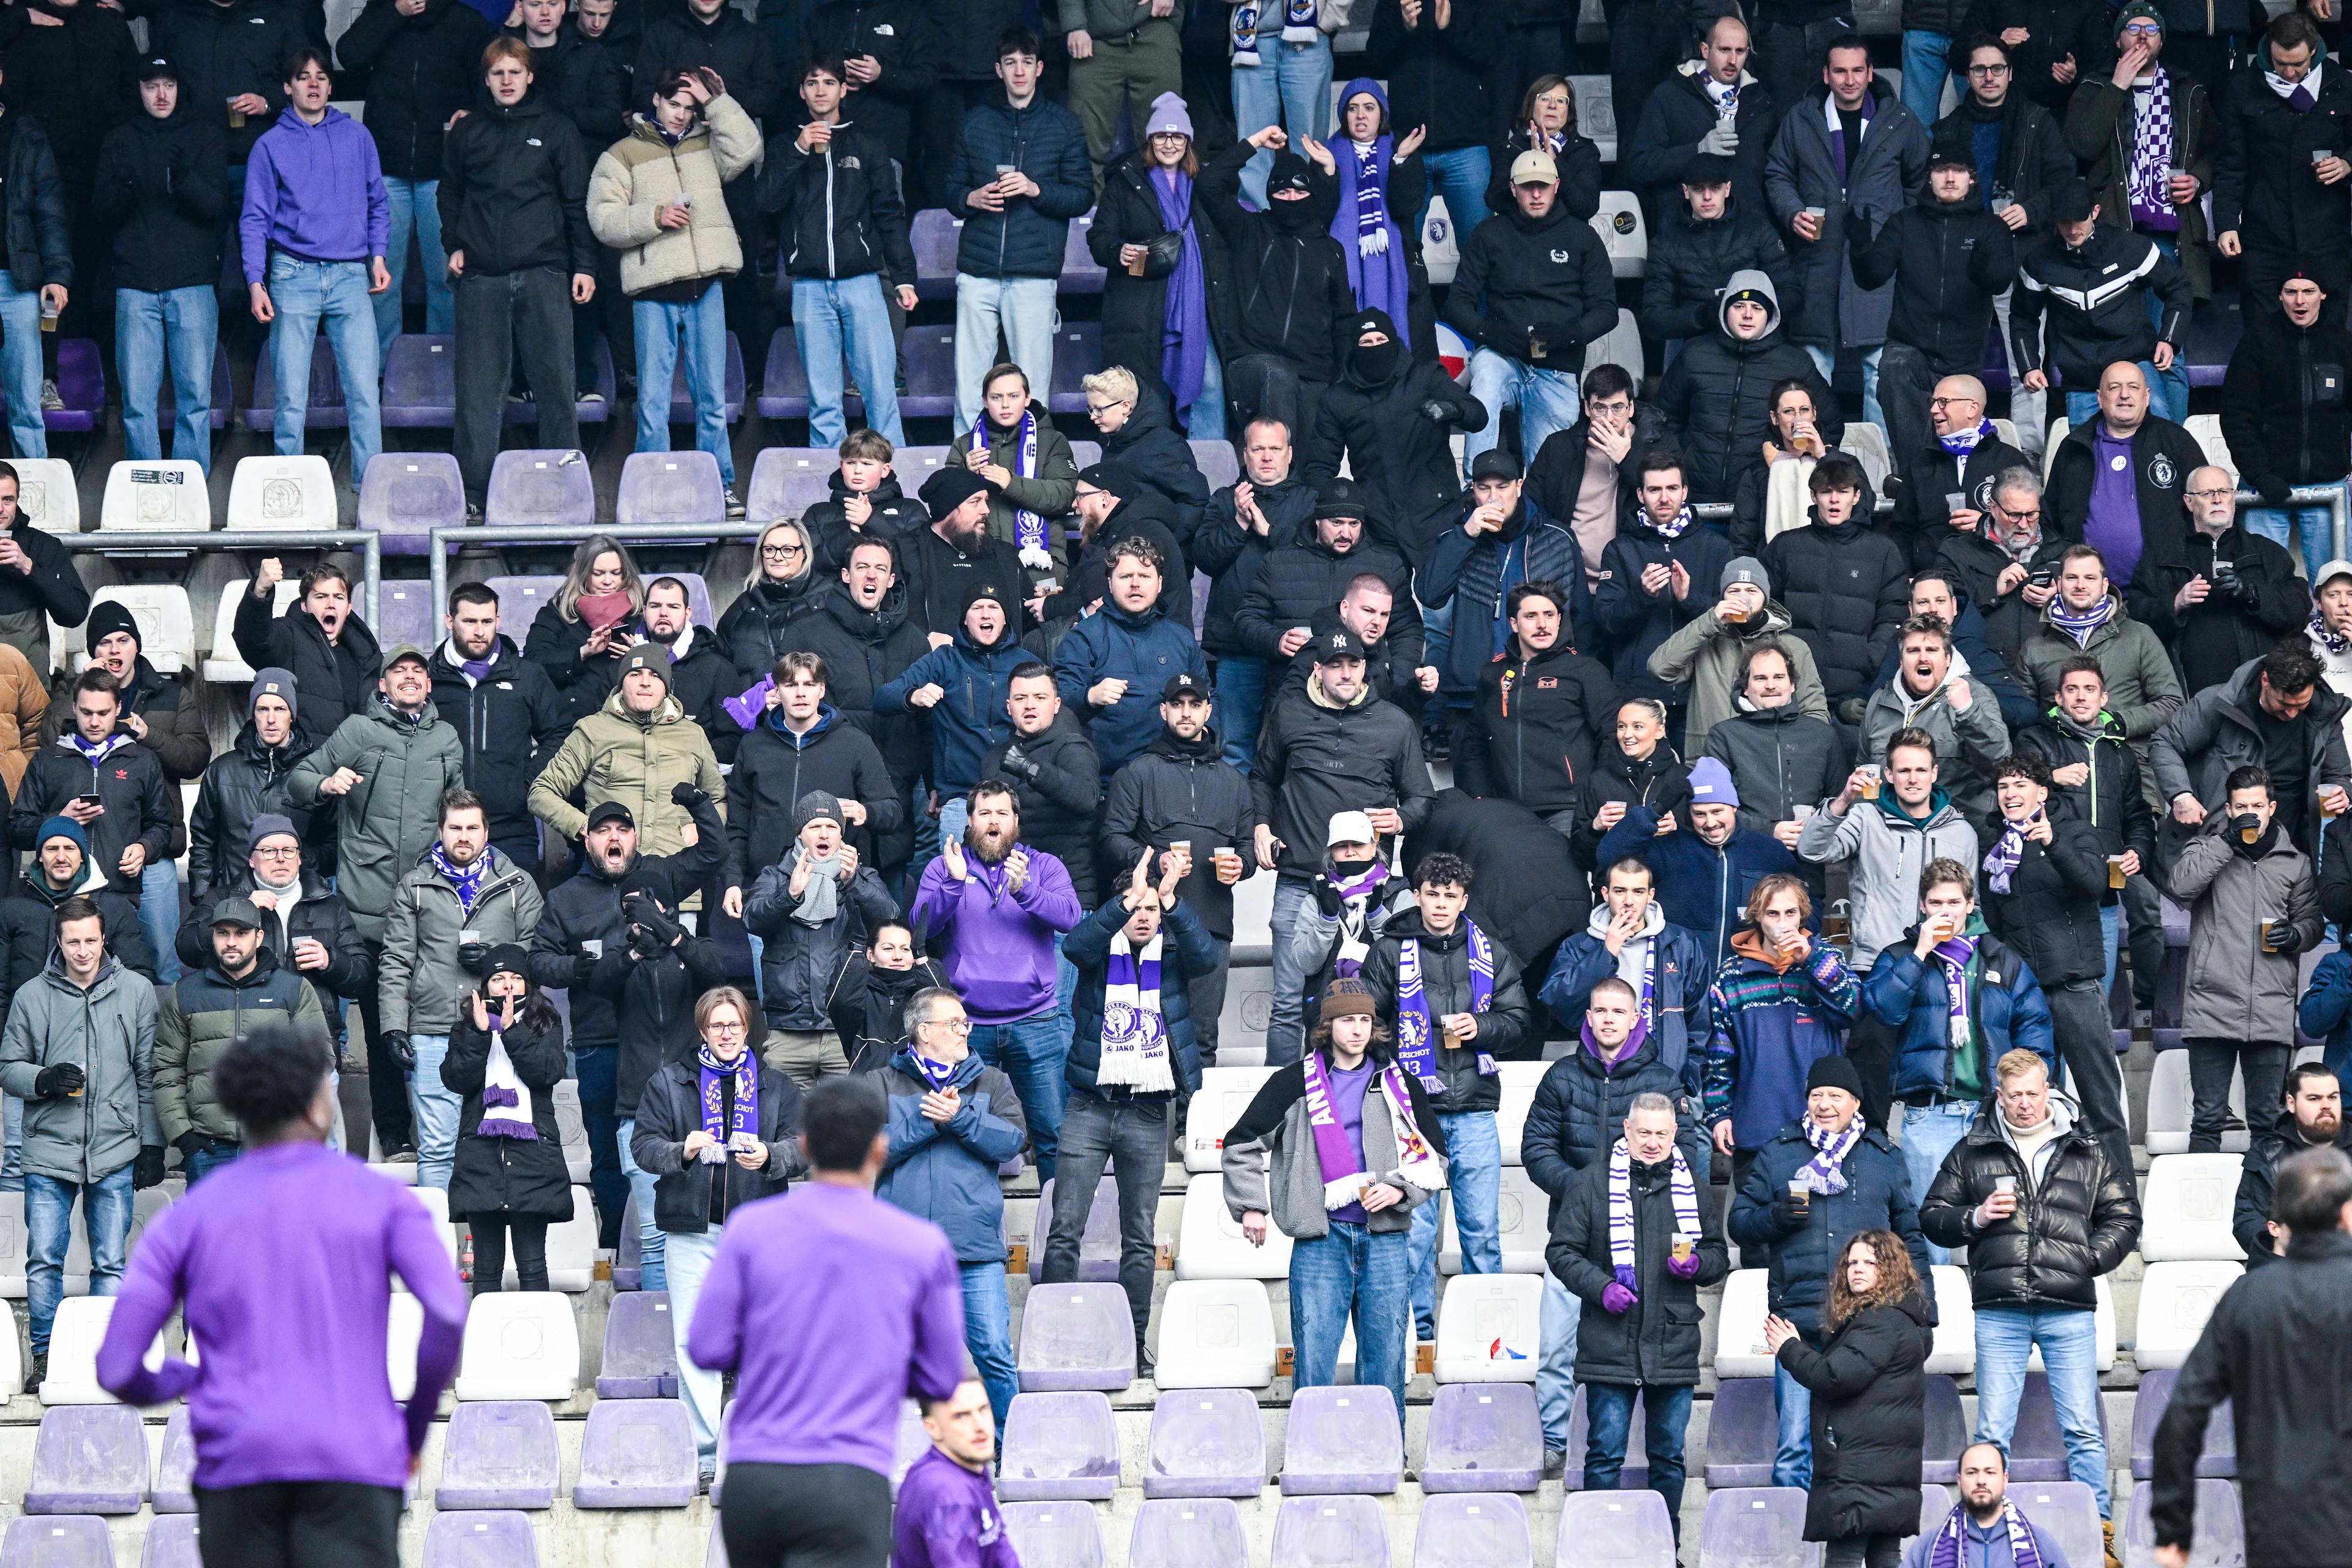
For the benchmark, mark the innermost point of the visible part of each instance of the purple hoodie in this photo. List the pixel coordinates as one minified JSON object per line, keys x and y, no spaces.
{"x":949,"y":1518}
{"x":304,"y":187}
{"x":999,"y":943}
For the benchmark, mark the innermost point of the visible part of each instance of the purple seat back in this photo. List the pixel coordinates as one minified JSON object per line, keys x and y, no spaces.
{"x":1081,"y":273}
{"x":1342,"y":1440}
{"x":170,"y":1542}
{"x":1635,"y":1473}
{"x":637,"y":1453}
{"x":420,"y":381}
{"x":404,"y":613}
{"x":500,"y":1453}
{"x":2220,"y":1456}
{"x":2037,"y":1452}
{"x":1077,"y":353}
{"x":479,"y":1540}
{"x":540,"y":486}
{"x":671,"y":487}
{"x":1055,"y":1534}
{"x":1205,"y":1442}
{"x":1484,"y":1437}
{"x":1474,"y":1529}
{"x":1756,"y":1527}
{"x":406,"y":495}
{"x":1097,"y":1246}
{"x":175,"y":1473}
{"x":1060,"y":1448}
{"x":1935,"y":1507}
{"x":783,"y":381}
{"x":640,"y":1349}
{"x":2066,"y":1511}
{"x":325,"y":409}
{"x":69,"y":1541}
{"x":681,"y":401}
{"x":1329,"y":1532}
{"x":930,"y":374}
{"x":81,"y":385}
{"x":788,"y":480}
{"x":1743,"y":1432}
{"x":1621,"y":1529}
{"x":1947,"y":1431}
{"x":1219,"y":462}
{"x":1076,"y":1336}
{"x":1186,"y":1533}
{"x":167,"y":400}
{"x":88,"y":1458}
{"x":934,"y":235}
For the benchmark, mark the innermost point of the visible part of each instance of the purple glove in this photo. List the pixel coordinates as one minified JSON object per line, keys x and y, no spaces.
{"x":1615,"y":1298}
{"x":1683,"y":1267}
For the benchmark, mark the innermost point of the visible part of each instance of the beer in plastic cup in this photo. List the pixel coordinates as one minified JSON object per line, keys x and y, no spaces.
{"x":1870,"y":776}
{"x":2115,"y":872}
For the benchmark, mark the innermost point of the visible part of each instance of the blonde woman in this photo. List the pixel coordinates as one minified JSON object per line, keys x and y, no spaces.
{"x":590,"y":619}
{"x":782,"y":587}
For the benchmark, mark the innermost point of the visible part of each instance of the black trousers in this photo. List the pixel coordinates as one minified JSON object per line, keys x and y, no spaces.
{"x":490,"y":1252}
{"x":1208,"y":997}
{"x":2086,"y":1044}
{"x":1269,"y":386}
{"x":803,"y":1516}
{"x":499,"y":314}
{"x":1870,"y":1045}
{"x":300,"y":1524}
{"x":2210,"y":1062}
{"x":387,"y":1079}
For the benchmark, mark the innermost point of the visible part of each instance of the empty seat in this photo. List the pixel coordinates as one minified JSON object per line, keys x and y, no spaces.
{"x":48,"y":497}
{"x":1739,"y":1349}
{"x":1489,"y":1328}
{"x":164,"y":495}
{"x":1218,"y":462}
{"x":2175,"y":1299}
{"x":934,"y":233}
{"x":1622,"y":233}
{"x":404,"y":1328}
{"x":1097,"y":1245}
{"x":500,"y":1454}
{"x":2067,"y":1512}
{"x":681,"y":400}
{"x":542,"y":488}
{"x":640,"y":1359}
{"x":520,"y":1344}
{"x":74,"y":1337}
{"x":930,"y":374}
{"x":1948,"y":1432}
{"x":1522,"y":1212}
{"x":1757,"y":1526}
{"x":275,"y":493}
{"x":1517,"y":1081}
{"x":1634,"y":1473}
{"x":1055,"y":1534}
{"x":1208,"y":1240}
{"x":1743,"y":1434}
{"x":519,"y":598}
{"x":1077,"y":354}
{"x":628,"y":1263}
{"x":2219,"y":1458}
{"x":783,"y":380}
{"x":71,"y":1541}
{"x":88,"y":1458}
{"x":12,"y":1245}
{"x":1076,"y":1336}
{"x":2037,"y":1450}
{"x":1215,"y":1333}
{"x":1081,"y":273}
{"x":1192,"y":1533}
{"x":420,"y":383}
{"x":2188,"y":1205}
{"x":1596,"y":115}
{"x":175,"y":1471}
{"x":637,"y":1453}
{"x":1329,"y":1532}
{"x":501,"y":1539}
{"x":788,"y":480}
{"x":2218,"y":1539}
{"x":436,"y":1204}
{"x":1935,"y":1507}
{"x":1205,"y":1442}
{"x":1473,"y":1530}
{"x":405,"y":495}
{"x":670,"y":487}
{"x":1484,"y":1437}
{"x":172,"y":1537}
{"x":1954,"y":1346}
{"x":404,"y":614}
{"x":1060,"y":1448}
{"x":1342,"y":1440}
{"x":1224,"y":1093}
{"x":587,"y":410}
{"x":225,"y":665}
{"x":1626,"y":1529}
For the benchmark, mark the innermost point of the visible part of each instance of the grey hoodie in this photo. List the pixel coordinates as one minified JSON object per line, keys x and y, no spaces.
{"x":1968,"y":743}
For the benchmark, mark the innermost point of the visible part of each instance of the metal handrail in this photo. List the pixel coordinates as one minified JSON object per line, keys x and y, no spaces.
{"x":367,"y":541}
{"x":440,"y":539}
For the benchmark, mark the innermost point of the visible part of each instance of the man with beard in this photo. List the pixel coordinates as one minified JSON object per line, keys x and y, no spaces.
{"x":507,"y":713}
{"x":334,"y":657}
{"x":2004,"y":562}
{"x":1393,"y":670}
{"x":302,"y":922}
{"x":945,"y":561}
{"x":1391,"y":417}
{"x":1181,"y":792}
{"x":1986,"y":1526}
{"x":608,"y":934}
{"x":862,"y":632}
{"x":1543,"y":691}
{"x":871,"y":994}
{"x":1104,"y":666}
{"x":993,"y":907}
{"x":2313,"y":1118}
{"x":701,"y":675}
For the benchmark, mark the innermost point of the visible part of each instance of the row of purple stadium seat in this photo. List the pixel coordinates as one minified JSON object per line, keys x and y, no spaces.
{"x":935,"y":232}
{"x":931,"y":373}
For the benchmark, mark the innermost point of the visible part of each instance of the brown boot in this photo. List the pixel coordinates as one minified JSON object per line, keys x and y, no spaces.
{"x":2107,"y":1529}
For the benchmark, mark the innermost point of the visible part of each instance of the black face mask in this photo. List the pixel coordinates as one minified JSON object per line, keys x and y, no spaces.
{"x":1294,"y":216}
{"x":1376,"y":362}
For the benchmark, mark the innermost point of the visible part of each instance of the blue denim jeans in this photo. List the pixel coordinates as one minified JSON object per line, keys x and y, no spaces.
{"x":1460,"y":174}
{"x":1351,"y":1272}
{"x":1205,"y":420}
{"x":686,"y":1259}
{"x":1925,"y":58}
{"x":831,"y":314}
{"x":2082,"y":404}
{"x":2176,"y":380}
{"x":181,"y":325}
{"x":1608,"y":1421}
{"x":2069,"y":1342}
{"x":1564,"y":1314}
{"x":653,"y":1248}
{"x":1825,"y":361}
{"x":2111,"y":941}
{"x":436,"y":1109}
{"x":312,"y":296}
{"x":596,"y":1067}
{"x":2274,"y":523}
{"x":20,"y":366}
{"x":159,"y":915}
{"x":702,"y":327}
{"x":1024,"y":309}
{"x":1241,"y":707}
{"x":1293,"y":81}
{"x":988,"y":1334}
{"x":1032,"y":1052}
{"x":1793,"y":1460}
{"x":416,"y":209}
{"x":208,"y":1159}
{"x":1286,"y":1028}
{"x":1930,"y":1132}
{"x":49,"y":1231}
{"x":1547,"y":400}
{"x":1474,"y":1175}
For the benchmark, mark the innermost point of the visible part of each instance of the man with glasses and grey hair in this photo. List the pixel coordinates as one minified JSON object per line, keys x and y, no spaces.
{"x":2216,"y":593}
{"x":952,"y":1120}
{"x":2002,"y":561}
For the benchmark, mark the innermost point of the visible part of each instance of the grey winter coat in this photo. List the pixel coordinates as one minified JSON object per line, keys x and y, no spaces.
{"x":385,"y":821}
{"x":1889,"y":850}
{"x":2237,"y":991}
{"x":109,"y":1031}
{"x":1968,"y":743}
{"x":1288,"y":1186}
{"x":1708,"y":657}
{"x":2216,"y":732}
{"x":1828,"y":309}
{"x":422,"y":981}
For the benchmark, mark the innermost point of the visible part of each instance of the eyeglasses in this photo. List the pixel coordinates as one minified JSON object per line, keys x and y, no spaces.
{"x":2144,"y":30}
{"x":1107,"y":408}
{"x":958,"y":1025}
{"x":1999,"y":67}
{"x":280,"y":851}
{"x":1170,"y":136}
{"x":785,"y":550}
{"x":1950,"y":402}
{"x":2211,"y":495}
{"x":719,"y":1027}
{"x":2017,"y":517}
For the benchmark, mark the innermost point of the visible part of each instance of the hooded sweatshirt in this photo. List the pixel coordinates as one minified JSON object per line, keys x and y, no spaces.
{"x":1715,"y":394}
{"x":315,"y":191}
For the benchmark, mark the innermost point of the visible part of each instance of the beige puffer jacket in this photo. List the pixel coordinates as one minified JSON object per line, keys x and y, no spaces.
{"x":642,"y":173}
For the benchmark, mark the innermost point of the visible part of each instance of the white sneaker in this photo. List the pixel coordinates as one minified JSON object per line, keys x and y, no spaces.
{"x":51,"y":399}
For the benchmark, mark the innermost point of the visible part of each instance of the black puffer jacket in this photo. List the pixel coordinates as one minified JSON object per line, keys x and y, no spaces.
{"x":1179,"y":789}
{"x":1056,"y":782}
{"x":774,"y":768}
{"x":2284,"y":398}
{"x":1847,"y":587}
{"x":2211,"y":638}
{"x":226,"y":51}
{"x":1580,"y":1110}
{"x":423,"y":69}
{"x":1290,"y":288}
{"x":2263,"y":184}
{"x":2051,"y":912}
{"x":842,"y":216}
{"x":1399,"y":457}
{"x":1297,"y":583}
{"x":1948,"y":261}
{"x":2032,"y":159}
{"x":498,"y":1178}
{"x":1149,"y":448}
{"x":868,"y":1007}
{"x":1232,"y":554}
{"x":141,"y":807}
{"x":1635,"y":622}
{"x":162,"y":187}
{"x":1530,"y":284}
{"x":1781,"y":758}
{"x":1659,"y":783}
{"x":1715,"y":392}
{"x":2078,"y":1221}
{"x":798,"y":961}
{"x":1690,"y":257}
{"x":240,"y":785}
{"x":335,"y":679}
{"x":1446,"y":989}
{"x":514,"y":189}
{"x":896,"y":515}
{"x":864,"y":650}
{"x":511,"y":722}
{"x":758,"y":628}
{"x":1869,"y":1384}
{"x":1135,"y":310}
{"x":588,"y":80}
{"x":1534,"y":728}
{"x":1656,"y":1341}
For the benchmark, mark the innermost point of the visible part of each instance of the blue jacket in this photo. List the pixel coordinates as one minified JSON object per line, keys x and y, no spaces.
{"x":1703,"y":890}
{"x":1475,"y":575}
{"x":971,"y":718}
{"x":946,"y":1171}
{"x":1684,"y":976}
{"x":1144,"y":651}
{"x":1770,"y":1027}
{"x":1902,"y":993}
{"x":1987,"y":1548}
{"x":1877,"y":1197}
{"x":1187,"y":952}
{"x":1026,"y":240}
{"x":2326,"y":1010}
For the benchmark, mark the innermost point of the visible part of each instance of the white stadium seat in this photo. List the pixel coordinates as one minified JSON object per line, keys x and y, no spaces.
{"x":520,"y":1344}
{"x":167,"y":627}
{"x":47,"y":494}
{"x":1490,"y":1328}
{"x":2169,"y":1101}
{"x":403,"y":1331}
{"x":1620,"y":346}
{"x":1215,"y":1333}
{"x":1521,"y":1210}
{"x":1955,"y":1349}
{"x":168,"y":495}
{"x":295,"y":494}
{"x":2186,"y":1206}
{"x":75,"y":1335}
{"x":1517,"y":1081}
{"x":2175,"y":1299}
{"x":225,"y":665}
{"x":1739,"y":1325}
{"x":571,"y":1247}
{"x":1224,"y":1093}
{"x":1210,"y":1244}
{"x":1622,"y":233}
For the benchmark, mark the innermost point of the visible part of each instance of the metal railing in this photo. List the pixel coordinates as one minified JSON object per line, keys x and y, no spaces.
{"x":366,"y":541}
{"x":2333,"y":497}
{"x":440,"y":539}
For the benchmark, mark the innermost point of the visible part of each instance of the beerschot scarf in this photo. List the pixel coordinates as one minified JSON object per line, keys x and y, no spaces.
{"x":503,"y":1087}
{"x":468,"y":879}
{"x":1344,"y":1178}
{"x":1185,"y":324}
{"x":1824,"y":1172}
{"x":1956,"y":955}
{"x":1366,"y":231}
{"x":2001,"y":860}
{"x":1028,"y":528}
{"x":2023,"y":1548}
{"x":2080,"y":624}
{"x":1621,"y":1208}
{"x":1416,"y":1030}
{"x":1134,"y":1035}
{"x":725,"y":1114}
{"x":1298,"y":24}
{"x":1244,"y":34}
{"x":2151,"y":158}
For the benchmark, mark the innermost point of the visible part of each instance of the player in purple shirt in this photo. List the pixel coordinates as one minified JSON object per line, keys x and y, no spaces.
{"x":948,"y":1514}
{"x":284,"y":1260}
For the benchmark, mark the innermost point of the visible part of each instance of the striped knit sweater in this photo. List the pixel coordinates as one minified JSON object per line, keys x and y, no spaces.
{"x":1770,"y":1028}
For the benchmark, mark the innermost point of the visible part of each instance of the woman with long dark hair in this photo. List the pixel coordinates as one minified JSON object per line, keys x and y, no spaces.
{"x":1869,"y":1382}
{"x":506,"y":1057}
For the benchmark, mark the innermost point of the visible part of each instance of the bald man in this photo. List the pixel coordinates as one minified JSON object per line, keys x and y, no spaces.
{"x":1947,"y":482}
{"x":2214,"y":593}
{"x":2118,"y":477}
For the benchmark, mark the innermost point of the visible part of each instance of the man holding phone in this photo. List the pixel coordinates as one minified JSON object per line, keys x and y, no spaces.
{"x":98,"y":776}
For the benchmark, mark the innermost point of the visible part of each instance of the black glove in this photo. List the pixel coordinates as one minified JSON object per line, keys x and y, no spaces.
{"x":643,"y":944}
{"x":688,"y":796}
{"x":2245,"y":822}
{"x":1327,"y":898}
{"x":1788,"y":1214}
{"x":189,"y":1144}
{"x":472,"y":955}
{"x":2286,"y":937}
{"x":59,"y":1078}
{"x":583,"y":967}
{"x":396,"y":1042}
{"x":147,"y":1171}
{"x":1436,"y":412}
{"x":1017,"y":762}
{"x":2273,"y":489}
{"x":650,"y":918}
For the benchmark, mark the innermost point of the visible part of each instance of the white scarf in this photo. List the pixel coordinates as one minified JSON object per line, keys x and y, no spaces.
{"x":1134,"y":1034}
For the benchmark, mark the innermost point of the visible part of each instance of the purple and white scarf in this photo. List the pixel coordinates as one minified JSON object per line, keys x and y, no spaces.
{"x":2024,"y":1549}
{"x":1825,"y":1171}
{"x":1960,"y":442}
{"x":1029,"y":535}
{"x":2080,"y":624}
{"x":725,"y":1114}
{"x":937,"y":1074}
{"x":1954,"y":956}
{"x":1674,"y":528}
{"x":2335,"y":646}
{"x":1134,"y":1052}
{"x":2151,"y":158}
{"x":1357,"y":895}
{"x":1368,"y":235}
{"x":1416,"y":1030}
{"x":467,"y":879}
{"x":503,"y":1090}
{"x":2000,"y":861}
{"x":1621,"y":1208}
{"x":96,"y":751}
{"x":1344,"y":1178}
